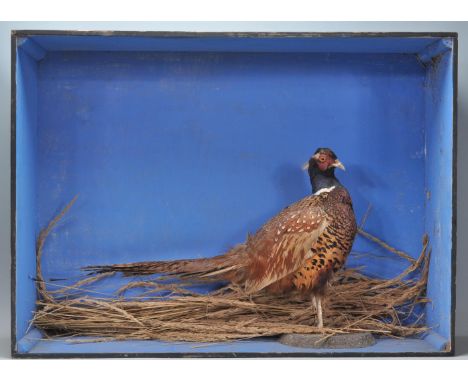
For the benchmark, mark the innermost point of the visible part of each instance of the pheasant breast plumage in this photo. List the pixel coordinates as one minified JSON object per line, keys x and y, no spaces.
{"x":297,"y":250}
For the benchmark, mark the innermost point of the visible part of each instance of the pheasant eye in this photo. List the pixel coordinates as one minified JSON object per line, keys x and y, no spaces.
{"x":322,"y":159}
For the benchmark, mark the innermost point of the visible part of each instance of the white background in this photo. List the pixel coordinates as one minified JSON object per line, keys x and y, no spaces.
{"x":215,"y":10}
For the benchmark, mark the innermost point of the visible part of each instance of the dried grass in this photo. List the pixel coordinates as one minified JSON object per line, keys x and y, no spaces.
{"x":355,"y":303}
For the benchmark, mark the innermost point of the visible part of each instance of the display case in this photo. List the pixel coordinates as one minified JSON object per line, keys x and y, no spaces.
{"x":178,"y":144}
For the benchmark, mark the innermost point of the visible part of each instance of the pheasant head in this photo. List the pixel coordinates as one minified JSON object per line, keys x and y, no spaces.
{"x":321,"y":168}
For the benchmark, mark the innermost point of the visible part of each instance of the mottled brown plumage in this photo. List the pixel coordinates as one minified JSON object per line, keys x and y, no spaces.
{"x":328,"y":253}
{"x":297,"y":250}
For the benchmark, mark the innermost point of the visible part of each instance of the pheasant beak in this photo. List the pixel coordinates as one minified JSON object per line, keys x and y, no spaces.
{"x":339,"y":165}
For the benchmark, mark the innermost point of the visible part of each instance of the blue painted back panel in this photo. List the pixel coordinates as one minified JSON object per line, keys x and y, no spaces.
{"x":179,"y":154}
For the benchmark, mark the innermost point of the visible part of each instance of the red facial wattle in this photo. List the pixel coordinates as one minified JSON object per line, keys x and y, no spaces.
{"x":324,"y":163}
{"x":322,"y":166}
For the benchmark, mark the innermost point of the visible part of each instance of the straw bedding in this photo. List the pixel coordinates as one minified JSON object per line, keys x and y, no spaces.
{"x":354,"y":303}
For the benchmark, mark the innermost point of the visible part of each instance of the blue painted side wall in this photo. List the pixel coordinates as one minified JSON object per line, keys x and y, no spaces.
{"x":26,"y":188}
{"x":439,"y":181}
{"x":356,"y":44}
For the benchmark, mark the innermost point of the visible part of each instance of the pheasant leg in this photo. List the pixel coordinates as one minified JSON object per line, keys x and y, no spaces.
{"x":317,"y":303}
{"x":319,"y":313}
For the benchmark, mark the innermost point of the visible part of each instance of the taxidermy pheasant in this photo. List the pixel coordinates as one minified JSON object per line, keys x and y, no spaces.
{"x":297,"y":250}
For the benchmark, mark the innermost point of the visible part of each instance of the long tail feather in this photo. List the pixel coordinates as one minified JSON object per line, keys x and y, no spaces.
{"x":223,"y":267}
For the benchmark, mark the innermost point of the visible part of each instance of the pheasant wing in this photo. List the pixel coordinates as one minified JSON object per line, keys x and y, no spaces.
{"x":282,"y":245}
